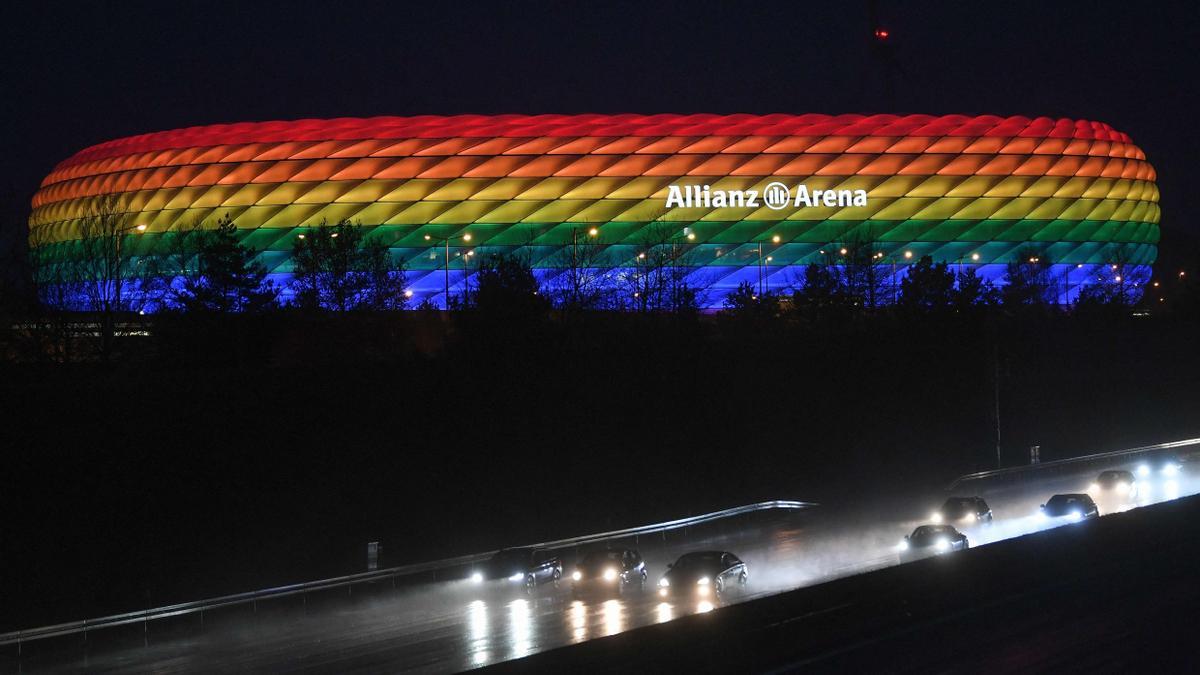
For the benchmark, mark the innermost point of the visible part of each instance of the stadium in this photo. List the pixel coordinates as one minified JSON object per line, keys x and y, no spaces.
{"x":722,"y":199}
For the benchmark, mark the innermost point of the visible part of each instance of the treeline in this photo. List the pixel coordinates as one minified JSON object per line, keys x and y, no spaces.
{"x":210,"y":291}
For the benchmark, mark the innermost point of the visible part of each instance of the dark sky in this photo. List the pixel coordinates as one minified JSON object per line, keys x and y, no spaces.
{"x":75,"y":75}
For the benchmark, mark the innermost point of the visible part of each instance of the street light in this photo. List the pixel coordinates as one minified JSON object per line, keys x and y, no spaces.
{"x":446,"y":241}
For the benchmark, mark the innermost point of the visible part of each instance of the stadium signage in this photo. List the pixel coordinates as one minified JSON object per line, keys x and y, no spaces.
{"x":774,"y":196}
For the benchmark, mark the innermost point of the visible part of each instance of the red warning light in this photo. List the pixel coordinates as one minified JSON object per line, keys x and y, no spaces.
{"x":881,"y":34}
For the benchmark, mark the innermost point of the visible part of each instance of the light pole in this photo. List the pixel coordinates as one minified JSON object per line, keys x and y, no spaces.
{"x":446,"y":242}
{"x":775,"y":239}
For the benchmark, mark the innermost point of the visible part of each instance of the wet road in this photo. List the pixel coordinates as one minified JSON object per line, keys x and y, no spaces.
{"x":452,"y":626}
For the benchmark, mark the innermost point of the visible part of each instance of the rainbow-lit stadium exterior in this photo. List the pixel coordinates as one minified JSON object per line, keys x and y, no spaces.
{"x":972,"y":191}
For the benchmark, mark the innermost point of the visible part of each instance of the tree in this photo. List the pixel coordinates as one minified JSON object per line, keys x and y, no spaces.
{"x":587,"y":279}
{"x":927,"y":286}
{"x":821,"y":293}
{"x":334,"y":269}
{"x":864,"y":273}
{"x":226,"y":276}
{"x":663,"y":278}
{"x":1029,"y":282}
{"x":505,"y":287}
{"x":972,"y":292}
{"x":748,"y":306}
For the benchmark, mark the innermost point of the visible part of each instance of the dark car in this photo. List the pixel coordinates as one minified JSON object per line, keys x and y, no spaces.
{"x":1070,"y":507}
{"x":609,"y":570}
{"x":526,"y":567}
{"x":963,"y":510}
{"x":929,"y":540}
{"x":1119,"y":484}
{"x":703,"y":573}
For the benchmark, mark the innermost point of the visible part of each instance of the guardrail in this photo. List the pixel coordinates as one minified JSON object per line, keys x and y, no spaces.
{"x":1097,"y":457}
{"x":200,"y":606}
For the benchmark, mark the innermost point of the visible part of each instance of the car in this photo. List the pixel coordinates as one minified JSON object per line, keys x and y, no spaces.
{"x":1166,"y":468}
{"x":524,"y":567}
{"x":928,"y":540}
{"x":962,"y":510}
{"x":609,"y":570}
{"x":1120,"y":484}
{"x":1072,"y":507}
{"x":703,"y":574}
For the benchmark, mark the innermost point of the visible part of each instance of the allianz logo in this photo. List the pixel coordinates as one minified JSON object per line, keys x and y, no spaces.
{"x":775,"y":196}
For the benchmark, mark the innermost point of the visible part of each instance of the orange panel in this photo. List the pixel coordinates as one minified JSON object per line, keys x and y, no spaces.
{"x":1034,"y":165}
{"x":1020,"y":146}
{"x":845,"y":165}
{"x":543,"y":166}
{"x":363,"y":168}
{"x":1051,"y":146}
{"x":497,"y":167}
{"x":926,"y":165}
{"x":719,"y":165}
{"x":319,"y":150}
{"x":989,"y":145}
{"x":450,"y":167}
{"x":886,"y":165}
{"x":1000,"y":165}
{"x":624,"y":146}
{"x":210,"y":174}
{"x":494,"y":146}
{"x":1065,"y":166}
{"x":246,"y":152}
{"x":536,"y":146}
{"x":668,"y":165}
{"x":667,"y":145}
{"x":244,"y":173}
{"x":911,"y":144}
{"x":588,"y":165}
{"x":408,"y":167}
{"x":181,"y":175}
{"x":708,"y":144}
{"x":949,"y":144}
{"x":637,"y":165}
{"x":322,"y":169}
{"x":833,"y":144}
{"x":450,"y":146}
{"x":280,"y":172}
{"x":404,"y":148}
{"x":872,"y":144}
{"x":1078,"y":146}
{"x":362,"y":148}
{"x":804,"y":165}
{"x":582,"y":146}
{"x":761,"y":165}
{"x":1092,"y":166}
{"x":280,"y":151}
{"x":752,"y":144}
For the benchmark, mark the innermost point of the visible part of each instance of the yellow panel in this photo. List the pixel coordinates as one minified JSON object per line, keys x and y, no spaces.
{"x":1016,"y":209}
{"x":336,"y":213}
{"x":897,"y":186}
{"x":509,"y":188}
{"x":1106,"y":208}
{"x":596,"y":188}
{"x":608,"y":209}
{"x":248,"y":195}
{"x":465,"y":212}
{"x":327,"y":192}
{"x":642,"y":187}
{"x":935,"y":186}
{"x":942,"y":209}
{"x":420,"y":213}
{"x":1106,"y":188}
{"x":510,"y":212}
{"x":185,"y":198}
{"x":294,"y":215}
{"x":286,"y":193}
{"x":215,"y":196}
{"x":370,"y":191}
{"x":1073,"y":187}
{"x":558,"y":211}
{"x":903,"y":209}
{"x":160,"y":199}
{"x":413,"y":190}
{"x":974,"y":186}
{"x":1058,"y":208}
{"x":378,"y":214}
{"x":459,"y":189}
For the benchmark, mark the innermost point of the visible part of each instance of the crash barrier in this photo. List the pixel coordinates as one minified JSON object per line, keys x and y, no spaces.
{"x":1148,"y":452}
{"x":252,"y":597}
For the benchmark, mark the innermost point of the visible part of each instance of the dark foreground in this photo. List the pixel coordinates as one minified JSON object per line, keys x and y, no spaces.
{"x":1116,"y":594}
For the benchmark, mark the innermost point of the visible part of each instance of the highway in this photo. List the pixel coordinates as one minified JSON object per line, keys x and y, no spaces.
{"x":456,"y":625}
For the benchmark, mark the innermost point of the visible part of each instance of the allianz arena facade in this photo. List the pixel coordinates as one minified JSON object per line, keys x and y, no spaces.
{"x":751,"y":198}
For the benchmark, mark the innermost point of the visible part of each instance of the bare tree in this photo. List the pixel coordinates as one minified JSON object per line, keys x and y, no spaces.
{"x":664,"y":275}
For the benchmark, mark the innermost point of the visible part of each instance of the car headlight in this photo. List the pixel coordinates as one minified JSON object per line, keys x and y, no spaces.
{"x":703,"y":581}
{"x":970,"y":518}
{"x":1093,"y":488}
{"x":1143,"y":469}
{"x":1074,"y":515}
{"x":1123,"y":488}
{"x":1170,"y":470}
{"x":476,"y":578}
{"x":663,"y":582}
{"x":942,"y":545}
{"x":935,"y":517}
{"x":576,"y":575}
{"x":903,"y":545}
{"x":610,"y":574}
{"x":517,"y":577}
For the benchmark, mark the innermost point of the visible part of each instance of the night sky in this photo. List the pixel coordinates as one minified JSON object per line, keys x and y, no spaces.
{"x":75,"y":75}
